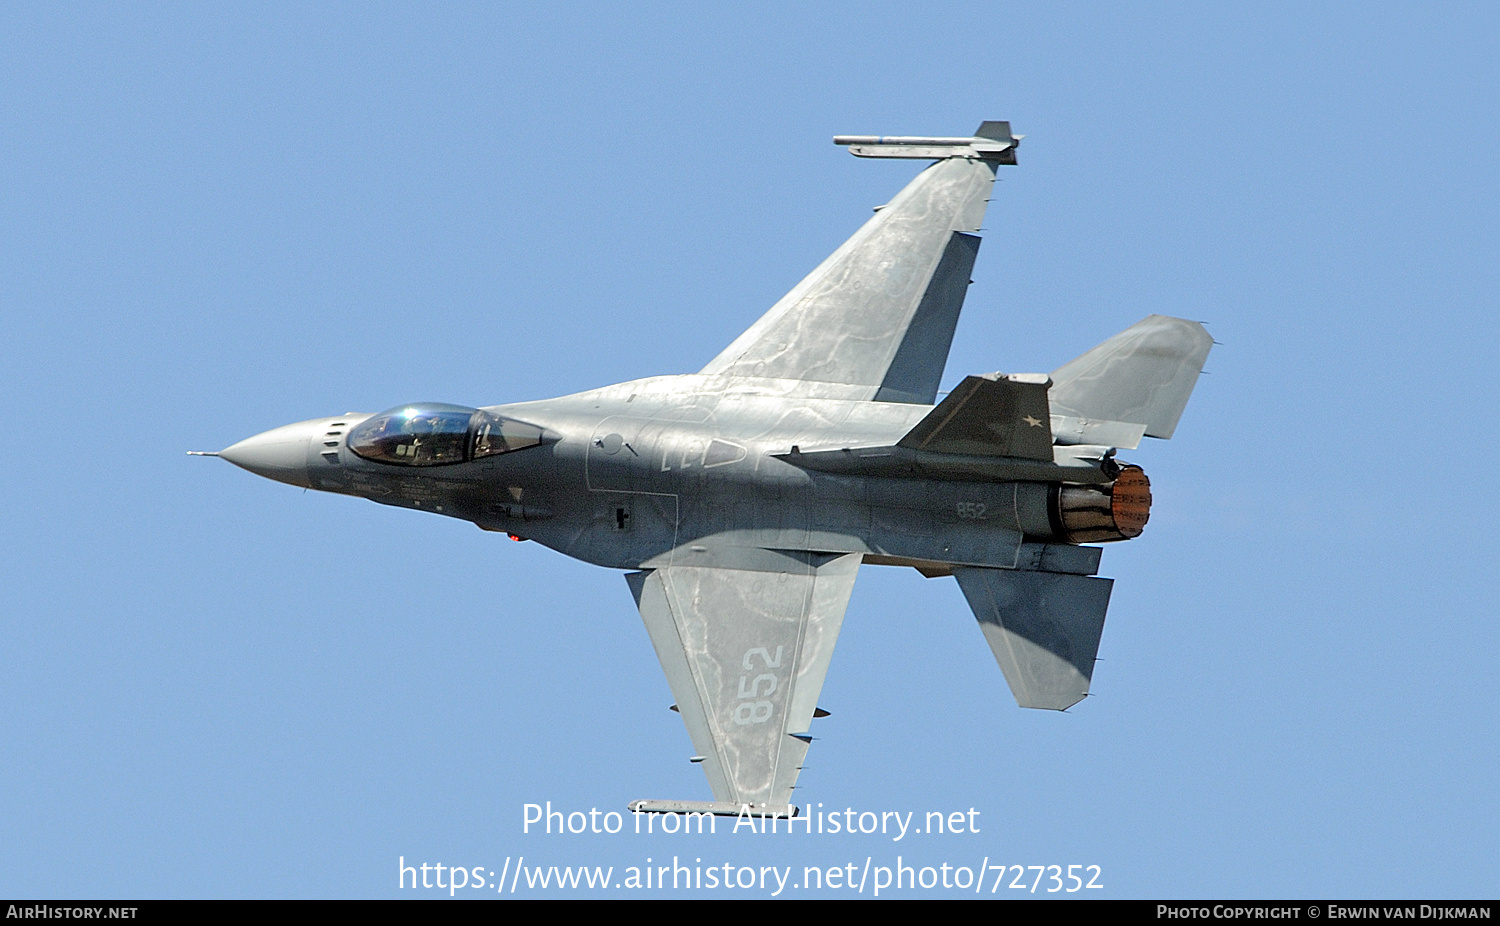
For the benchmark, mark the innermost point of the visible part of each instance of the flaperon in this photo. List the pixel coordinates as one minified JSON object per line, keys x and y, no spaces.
{"x":744,"y":497}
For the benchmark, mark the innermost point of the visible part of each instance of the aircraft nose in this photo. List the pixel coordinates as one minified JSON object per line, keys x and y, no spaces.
{"x":279,"y":454}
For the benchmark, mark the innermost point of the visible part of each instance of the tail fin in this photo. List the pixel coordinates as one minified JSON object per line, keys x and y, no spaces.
{"x":991,"y":415}
{"x":1142,"y":376}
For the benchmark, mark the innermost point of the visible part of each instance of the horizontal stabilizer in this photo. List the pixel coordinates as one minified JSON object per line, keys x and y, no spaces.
{"x":1043,"y":628}
{"x":1071,"y":431}
{"x":990,"y":415}
{"x":1142,"y":376}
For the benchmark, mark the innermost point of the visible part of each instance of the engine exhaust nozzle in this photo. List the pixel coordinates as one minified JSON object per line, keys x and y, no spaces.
{"x":1101,"y":514}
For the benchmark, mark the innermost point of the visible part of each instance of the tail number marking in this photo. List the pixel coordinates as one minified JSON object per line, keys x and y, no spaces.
{"x":764,"y":654}
{"x":753,"y":706}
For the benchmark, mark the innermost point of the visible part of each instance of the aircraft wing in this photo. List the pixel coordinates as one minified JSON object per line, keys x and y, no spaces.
{"x":879,"y":314}
{"x":745,"y":647}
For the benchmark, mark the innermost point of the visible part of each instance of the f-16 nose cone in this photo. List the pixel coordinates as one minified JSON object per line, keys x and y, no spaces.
{"x":280,"y":453}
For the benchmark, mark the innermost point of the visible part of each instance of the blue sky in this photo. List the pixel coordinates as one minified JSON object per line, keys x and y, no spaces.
{"x":220,"y":220}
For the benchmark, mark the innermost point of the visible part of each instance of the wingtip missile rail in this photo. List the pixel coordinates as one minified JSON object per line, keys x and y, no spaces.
{"x":993,"y":141}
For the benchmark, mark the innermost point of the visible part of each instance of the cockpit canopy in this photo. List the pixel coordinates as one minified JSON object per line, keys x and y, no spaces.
{"x":434,"y":434}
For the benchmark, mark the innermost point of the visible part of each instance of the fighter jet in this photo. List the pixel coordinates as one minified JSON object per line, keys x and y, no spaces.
{"x":742,"y":499}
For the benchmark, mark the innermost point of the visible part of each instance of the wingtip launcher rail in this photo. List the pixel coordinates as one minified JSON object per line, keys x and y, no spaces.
{"x":993,"y":141}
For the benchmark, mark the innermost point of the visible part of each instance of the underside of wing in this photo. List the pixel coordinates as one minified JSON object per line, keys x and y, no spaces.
{"x":745,"y":652}
{"x":880,"y":312}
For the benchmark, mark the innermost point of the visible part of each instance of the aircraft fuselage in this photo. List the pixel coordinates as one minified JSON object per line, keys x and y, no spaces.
{"x":629,"y":476}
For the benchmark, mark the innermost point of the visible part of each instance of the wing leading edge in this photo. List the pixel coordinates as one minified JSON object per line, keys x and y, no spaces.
{"x":745,"y":651}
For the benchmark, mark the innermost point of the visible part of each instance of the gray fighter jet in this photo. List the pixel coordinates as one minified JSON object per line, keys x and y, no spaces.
{"x":744,"y":497}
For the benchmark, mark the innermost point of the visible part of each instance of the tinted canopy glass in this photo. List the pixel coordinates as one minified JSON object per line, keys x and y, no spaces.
{"x":432,"y":434}
{"x":494,"y":434}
